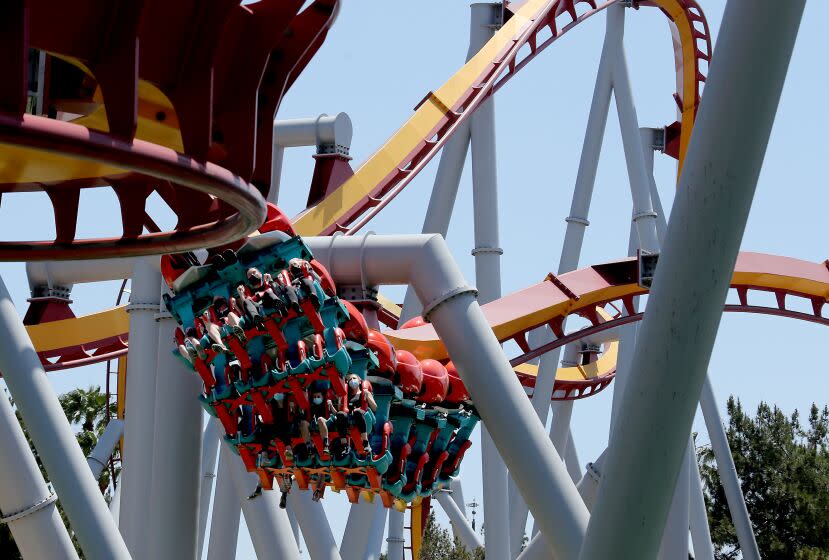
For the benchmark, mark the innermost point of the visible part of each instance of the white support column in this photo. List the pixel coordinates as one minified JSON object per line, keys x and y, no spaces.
{"x":464,"y":531}
{"x":425,"y":262}
{"x":54,"y":440}
{"x":177,"y":451}
{"x":396,"y":541}
{"x":571,"y":459}
{"x":456,"y":493}
{"x":270,"y":530}
{"x":643,"y":215}
{"x":98,"y":458}
{"x":700,"y":532}
{"x":376,"y":531}
{"x":224,"y":522}
{"x":729,"y":478}
{"x":139,"y":428}
{"x":115,"y":503}
{"x":685,"y":304}
{"x":209,"y":460}
{"x":452,"y":159}
{"x":26,"y":503}
{"x":363,"y":535}
{"x":311,"y":516}
{"x":674,"y":542}
{"x":298,"y":537}
{"x":577,"y":222}
{"x":487,"y":254}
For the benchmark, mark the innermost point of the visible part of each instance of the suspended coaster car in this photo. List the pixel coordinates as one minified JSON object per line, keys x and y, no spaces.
{"x":264,"y":329}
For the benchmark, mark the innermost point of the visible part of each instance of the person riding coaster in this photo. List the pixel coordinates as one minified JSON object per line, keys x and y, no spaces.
{"x":358,"y":400}
{"x":319,"y":410}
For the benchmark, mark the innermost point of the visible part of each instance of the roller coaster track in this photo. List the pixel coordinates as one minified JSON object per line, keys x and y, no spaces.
{"x":65,"y":344}
{"x":441,"y":112}
{"x":614,"y":284}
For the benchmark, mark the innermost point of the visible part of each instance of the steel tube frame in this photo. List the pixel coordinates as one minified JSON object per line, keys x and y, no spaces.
{"x":224,"y":521}
{"x":335,"y":130}
{"x":577,"y":222}
{"x":209,"y":460}
{"x":717,"y":185}
{"x":396,"y":540}
{"x":268,"y":525}
{"x":177,"y":451}
{"x":464,"y":531}
{"x":700,"y":532}
{"x":40,"y":533}
{"x":319,"y":539}
{"x":425,"y":262}
{"x":729,"y":478}
{"x":54,"y":440}
{"x":145,"y":294}
{"x":97,"y":459}
{"x":359,"y":529}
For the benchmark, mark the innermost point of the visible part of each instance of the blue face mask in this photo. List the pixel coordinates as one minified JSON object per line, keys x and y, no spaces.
{"x":317,"y":400}
{"x":279,"y":396}
{"x":354,"y":383}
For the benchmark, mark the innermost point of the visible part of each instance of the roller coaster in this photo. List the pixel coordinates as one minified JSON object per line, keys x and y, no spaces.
{"x":265,"y":339}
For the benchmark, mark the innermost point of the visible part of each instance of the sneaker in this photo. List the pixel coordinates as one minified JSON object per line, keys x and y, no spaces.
{"x":283,"y":500}
{"x":367,"y":448}
{"x":199,"y":349}
{"x":256,"y":493}
{"x":218,"y":348}
{"x":240,"y":333}
{"x":326,"y":450}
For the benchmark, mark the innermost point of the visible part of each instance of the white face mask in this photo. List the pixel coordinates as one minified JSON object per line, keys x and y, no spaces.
{"x":317,"y":400}
{"x":354,"y":383}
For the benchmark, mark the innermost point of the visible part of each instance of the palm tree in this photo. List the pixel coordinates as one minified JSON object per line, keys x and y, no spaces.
{"x":88,"y":408}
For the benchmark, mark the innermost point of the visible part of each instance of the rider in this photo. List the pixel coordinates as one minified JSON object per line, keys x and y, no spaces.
{"x":318,"y":412}
{"x":359,"y":400}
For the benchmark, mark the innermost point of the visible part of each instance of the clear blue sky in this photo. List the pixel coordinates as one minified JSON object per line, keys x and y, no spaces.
{"x":379,"y":61}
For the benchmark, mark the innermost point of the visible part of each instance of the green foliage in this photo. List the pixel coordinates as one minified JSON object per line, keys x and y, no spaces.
{"x":784,"y":473}
{"x":86,"y":408}
{"x":438,"y":544}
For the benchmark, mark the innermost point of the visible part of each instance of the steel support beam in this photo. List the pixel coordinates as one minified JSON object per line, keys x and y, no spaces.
{"x":209,"y":460}
{"x":685,"y":304}
{"x":98,"y":458}
{"x":363,"y":535}
{"x":177,"y":451}
{"x":466,"y":534}
{"x":314,"y":524}
{"x":425,"y":262}
{"x":139,"y":428}
{"x":54,"y":440}
{"x":729,"y":478}
{"x":577,"y":222}
{"x":26,"y":503}
{"x":224,"y":521}
{"x":396,"y":541}
{"x":268,"y":525}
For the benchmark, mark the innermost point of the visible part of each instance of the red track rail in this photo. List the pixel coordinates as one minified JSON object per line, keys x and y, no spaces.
{"x":504,"y":67}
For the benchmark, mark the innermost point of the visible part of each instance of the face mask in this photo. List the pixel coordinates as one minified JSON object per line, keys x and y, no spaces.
{"x":354,"y":383}
{"x":279,"y":396}
{"x":317,"y":400}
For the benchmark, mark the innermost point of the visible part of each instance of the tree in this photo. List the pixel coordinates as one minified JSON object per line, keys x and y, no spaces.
{"x":87,"y":408}
{"x":437,"y":544}
{"x":784,"y":474}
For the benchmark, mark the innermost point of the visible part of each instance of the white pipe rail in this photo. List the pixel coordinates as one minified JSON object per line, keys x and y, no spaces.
{"x":425,"y":262}
{"x":26,"y":504}
{"x":54,"y":440}
{"x":466,"y":534}
{"x":98,"y":458}
{"x":685,"y":304}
